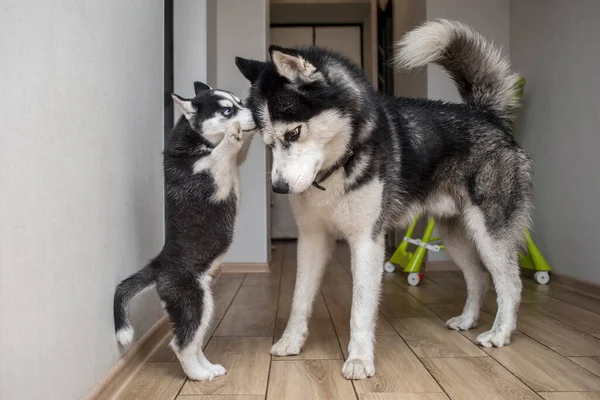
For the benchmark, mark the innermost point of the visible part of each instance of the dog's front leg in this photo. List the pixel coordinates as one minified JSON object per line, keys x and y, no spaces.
{"x":314,"y":249}
{"x":367,"y":260}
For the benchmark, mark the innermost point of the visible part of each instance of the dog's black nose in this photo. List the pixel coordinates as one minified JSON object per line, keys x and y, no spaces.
{"x":281,"y":186}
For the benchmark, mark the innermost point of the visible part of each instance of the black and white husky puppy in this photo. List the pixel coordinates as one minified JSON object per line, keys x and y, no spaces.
{"x":201,"y":160}
{"x":357,"y":163}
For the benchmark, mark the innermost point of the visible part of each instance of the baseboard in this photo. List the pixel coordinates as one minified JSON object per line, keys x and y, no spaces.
{"x":439,"y":266}
{"x":121,"y":374}
{"x":244,"y":268}
{"x":586,"y":287}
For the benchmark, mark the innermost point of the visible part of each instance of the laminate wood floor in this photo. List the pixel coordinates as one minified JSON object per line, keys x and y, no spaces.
{"x":554,"y":355}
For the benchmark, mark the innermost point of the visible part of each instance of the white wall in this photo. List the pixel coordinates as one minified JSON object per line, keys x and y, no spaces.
{"x":242,"y":31}
{"x":489,"y":17}
{"x":554,"y":45}
{"x":81,"y":135}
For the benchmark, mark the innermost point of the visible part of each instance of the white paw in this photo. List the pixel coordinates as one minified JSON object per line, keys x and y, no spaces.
{"x":200,"y":374}
{"x":287,"y":346}
{"x":216,"y":369}
{"x":494,"y":338}
{"x":358,"y":369}
{"x":461,"y":323}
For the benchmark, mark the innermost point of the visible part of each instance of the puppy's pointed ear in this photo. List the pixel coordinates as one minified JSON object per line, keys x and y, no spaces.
{"x":185,"y":106}
{"x":200,"y":87}
{"x":251,"y":69}
{"x":292,"y":66}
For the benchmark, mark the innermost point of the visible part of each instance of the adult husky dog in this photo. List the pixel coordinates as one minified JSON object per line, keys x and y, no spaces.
{"x":356,"y":162}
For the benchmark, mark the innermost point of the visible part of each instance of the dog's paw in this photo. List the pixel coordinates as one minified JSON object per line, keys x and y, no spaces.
{"x":287,"y":346}
{"x":358,"y":369}
{"x":494,"y":338}
{"x":461,"y":323}
{"x":234,"y":136}
{"x":200,"y":374}
{"x":216,"y":369}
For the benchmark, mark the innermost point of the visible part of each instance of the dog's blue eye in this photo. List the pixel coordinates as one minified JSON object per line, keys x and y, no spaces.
{"x":227,"y":111}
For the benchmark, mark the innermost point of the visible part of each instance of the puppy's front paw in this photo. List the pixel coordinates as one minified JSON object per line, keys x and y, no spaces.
{"x":234,"y":136}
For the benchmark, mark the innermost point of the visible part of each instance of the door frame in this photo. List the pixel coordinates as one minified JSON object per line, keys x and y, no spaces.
{"x":332,"y":25}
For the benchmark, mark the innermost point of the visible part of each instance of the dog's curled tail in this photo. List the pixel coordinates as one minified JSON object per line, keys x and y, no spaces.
{"x":482,"y":74}
{"x":123,"y":294}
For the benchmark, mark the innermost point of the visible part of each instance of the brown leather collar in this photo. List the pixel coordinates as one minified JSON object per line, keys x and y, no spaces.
{"x":316,"y":183}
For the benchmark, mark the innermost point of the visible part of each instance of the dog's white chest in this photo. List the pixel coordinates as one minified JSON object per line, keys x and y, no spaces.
{"x":344,"y":214}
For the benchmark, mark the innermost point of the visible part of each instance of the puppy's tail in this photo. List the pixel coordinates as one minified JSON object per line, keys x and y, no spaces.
{"x":125,"y":292}
{"x":482,"y":74}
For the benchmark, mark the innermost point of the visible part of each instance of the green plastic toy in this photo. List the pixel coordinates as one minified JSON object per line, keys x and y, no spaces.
{"x":412,"y":262}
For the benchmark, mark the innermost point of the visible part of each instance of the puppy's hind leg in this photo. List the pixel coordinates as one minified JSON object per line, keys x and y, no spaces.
{"x":463,"y":252}
{"x":190,"y":306}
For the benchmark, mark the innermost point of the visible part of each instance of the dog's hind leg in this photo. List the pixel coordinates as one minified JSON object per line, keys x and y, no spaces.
{"x":499,"y":255}
{"x":190,"y":306}
{"x":367,"y":258}
{"x":464,"y":253}
{"x":315,"y":245}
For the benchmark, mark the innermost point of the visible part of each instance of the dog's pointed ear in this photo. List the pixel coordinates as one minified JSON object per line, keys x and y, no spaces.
{"x":185,"y":105}
{"x":291,"y":65}
{"x":200,"y":87}
{"x":251,"y":69}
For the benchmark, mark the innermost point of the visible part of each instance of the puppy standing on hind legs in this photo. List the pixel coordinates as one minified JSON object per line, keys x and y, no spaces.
{"x":201,"y":161}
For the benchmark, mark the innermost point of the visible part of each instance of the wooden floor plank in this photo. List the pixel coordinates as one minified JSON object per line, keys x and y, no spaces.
{"x":403,"y":305}
{"x":543,"y":369}
{"x":321,"y":343}
{"x":285,"y":306}
{"x":477,"y":378}
{"x":249,"y":320}
{"x":397,"y":369}
{"x":335,"y":274}
{"x":338,"y":295}
{"x":247,"y":363}
{"x":592,"y":364}
{"x":223,"y":397}
{"x":430,"y":292}
{"x":565,"y":294}
{"x":224,"y":291}
{"x":256,"y":296}
{"x":155,"y":381}
{"x":429,"y":337}
{"x":308,"y":379}
{"x":576,"y":317}
{"x":560,"y":337}
{"x":571,"y":395}
{"x":403,"y":396}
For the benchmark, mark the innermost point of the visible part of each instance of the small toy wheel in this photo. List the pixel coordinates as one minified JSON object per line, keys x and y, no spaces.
{"x":542,"y":277}
{"x":389,"y":267}
{"x":414,"y":279}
